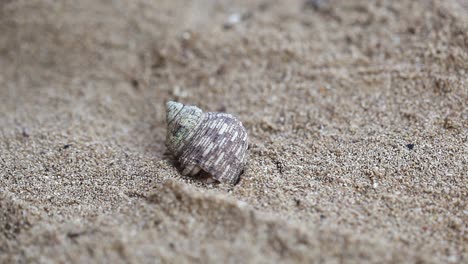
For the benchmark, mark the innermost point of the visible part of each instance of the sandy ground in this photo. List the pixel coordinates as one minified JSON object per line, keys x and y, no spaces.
{"x":356,"y":111}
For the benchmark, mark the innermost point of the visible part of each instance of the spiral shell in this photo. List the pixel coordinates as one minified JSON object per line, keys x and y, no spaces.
{"x":213,"y":142}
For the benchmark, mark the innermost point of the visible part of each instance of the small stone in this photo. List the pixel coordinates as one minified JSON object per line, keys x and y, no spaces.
{"x":234,"y":18}
{"x":410,"y":146}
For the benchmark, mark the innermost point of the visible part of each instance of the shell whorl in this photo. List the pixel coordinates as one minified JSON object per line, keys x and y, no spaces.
{"x":182,"y":121}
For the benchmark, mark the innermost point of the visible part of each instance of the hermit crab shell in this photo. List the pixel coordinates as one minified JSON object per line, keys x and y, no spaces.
{"x":213,"y":142}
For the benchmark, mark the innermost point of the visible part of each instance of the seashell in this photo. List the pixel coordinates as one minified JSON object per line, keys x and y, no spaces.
{"x":212,"y":142}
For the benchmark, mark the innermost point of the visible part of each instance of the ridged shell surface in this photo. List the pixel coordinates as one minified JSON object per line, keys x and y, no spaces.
{"x":182,"y":121}
{"x":214,"y":142}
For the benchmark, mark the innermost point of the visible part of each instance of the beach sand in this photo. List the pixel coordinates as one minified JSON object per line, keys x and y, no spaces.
{"x":356,"y":112}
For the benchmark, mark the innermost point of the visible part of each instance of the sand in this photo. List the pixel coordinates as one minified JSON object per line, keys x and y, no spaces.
{"x":356,"y":112}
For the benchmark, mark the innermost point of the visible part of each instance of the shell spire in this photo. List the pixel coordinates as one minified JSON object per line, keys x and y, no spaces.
{"x":172,"y":109}
{"x":213,"y":142}
{"x":182,"y":121}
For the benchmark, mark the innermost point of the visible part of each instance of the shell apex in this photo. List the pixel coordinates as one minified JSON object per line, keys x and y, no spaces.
{"x":172,"y":109}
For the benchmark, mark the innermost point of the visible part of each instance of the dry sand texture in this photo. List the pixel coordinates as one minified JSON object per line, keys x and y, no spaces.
{"x":356,"y":111}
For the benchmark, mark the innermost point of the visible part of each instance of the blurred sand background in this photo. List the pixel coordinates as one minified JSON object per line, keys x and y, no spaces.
{"x":356,"y":111}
